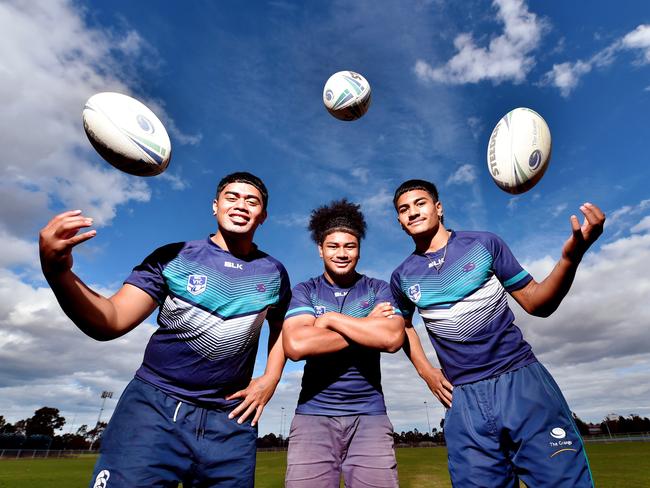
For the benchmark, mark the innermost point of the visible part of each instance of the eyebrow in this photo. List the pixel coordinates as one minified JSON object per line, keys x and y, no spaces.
{"x":250,"y":195}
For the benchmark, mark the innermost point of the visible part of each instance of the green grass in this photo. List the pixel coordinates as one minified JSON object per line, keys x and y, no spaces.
{"x":625,"y":464}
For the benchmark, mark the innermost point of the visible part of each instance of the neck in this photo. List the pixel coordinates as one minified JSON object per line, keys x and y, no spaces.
{"x":342,"y":281}
{"x":237,"y":245}
{"x":433,"y":241}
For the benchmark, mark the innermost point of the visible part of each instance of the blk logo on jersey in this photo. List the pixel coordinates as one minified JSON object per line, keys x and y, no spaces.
{"x":196,"y":284}
{"x":414,"y":292}
{"x":228,"y":264}
{"x":340,"y":293}
{"x":319,"y":310}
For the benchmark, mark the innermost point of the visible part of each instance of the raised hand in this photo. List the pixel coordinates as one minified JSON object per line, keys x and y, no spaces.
{"x":583,"y":236}
{"x":58,"y":237}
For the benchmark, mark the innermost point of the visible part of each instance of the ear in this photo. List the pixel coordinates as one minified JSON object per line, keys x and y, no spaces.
{"x":214,"y":207}
{"x":320,"y":250}
{"x":262,"y":218}
{"x":439,"y":209}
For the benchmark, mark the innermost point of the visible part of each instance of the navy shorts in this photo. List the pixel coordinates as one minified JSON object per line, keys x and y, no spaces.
{"x":360,"y":447}
{"x":153,"y":440}
{"x":511,"y":427}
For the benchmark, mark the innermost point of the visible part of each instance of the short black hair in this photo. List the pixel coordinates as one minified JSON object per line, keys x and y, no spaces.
{"x":338,"y":216}
{"x":245,"y":177}
{"x":411,"y":185}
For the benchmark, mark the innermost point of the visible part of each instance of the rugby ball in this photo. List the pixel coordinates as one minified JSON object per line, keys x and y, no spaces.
{"x":127,"y":134}
{"x":346,"y":95}
{"x":519,"y":150}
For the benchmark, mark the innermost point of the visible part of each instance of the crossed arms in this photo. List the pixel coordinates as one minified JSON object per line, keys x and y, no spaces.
{"x":305,"y":335}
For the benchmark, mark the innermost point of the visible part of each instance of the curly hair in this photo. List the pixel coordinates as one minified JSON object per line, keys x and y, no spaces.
{"x":339,"y":215}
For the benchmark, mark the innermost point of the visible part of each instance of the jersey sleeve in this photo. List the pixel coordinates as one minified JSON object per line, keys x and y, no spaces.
{"x":384,"y":294}
{"x":148,"y":275}
{"x":406,"y":306}
{"x":276,"y":312}
{"x":506,"y":267}
{"x":300,"y":302}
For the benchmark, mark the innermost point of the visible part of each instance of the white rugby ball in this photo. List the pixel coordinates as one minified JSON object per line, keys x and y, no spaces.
{"x":346,"y":95}
{"x":127,"y":134}
{"x":519,"y":150}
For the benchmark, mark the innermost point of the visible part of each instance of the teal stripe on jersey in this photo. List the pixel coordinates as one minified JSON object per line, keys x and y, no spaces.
{"x":299,"y":310}
{"x":225,"y":295}
{"x":455,"y":282}
{"x":516,"y":278}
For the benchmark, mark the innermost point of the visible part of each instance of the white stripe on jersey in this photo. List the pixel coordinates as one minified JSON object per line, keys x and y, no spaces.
{"x":212,"y":337}
{"x":464,"y":319}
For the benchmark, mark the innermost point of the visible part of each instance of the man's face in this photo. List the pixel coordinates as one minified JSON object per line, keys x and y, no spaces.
{"x":340,"y":253}
{"x":418,"y":213}
{"x":239,"y":208}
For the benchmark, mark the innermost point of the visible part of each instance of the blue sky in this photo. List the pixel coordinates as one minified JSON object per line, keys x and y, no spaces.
{"x":240,"y":89}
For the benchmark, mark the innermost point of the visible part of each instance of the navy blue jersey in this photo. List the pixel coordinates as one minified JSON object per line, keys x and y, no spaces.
{"x":464,"y":305}
{"x":346,"y":382}
{"x":212,"y":306}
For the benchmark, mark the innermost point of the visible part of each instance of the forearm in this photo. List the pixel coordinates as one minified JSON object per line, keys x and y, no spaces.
{"x":92,"y":313}
{"x":415,"y":352}
{"x":304,"y":341}
{"x":276,"y":357}
{"x":542,"y":299}
{"x":383,"y":333}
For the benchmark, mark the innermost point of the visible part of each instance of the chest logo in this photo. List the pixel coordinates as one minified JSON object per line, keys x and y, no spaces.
{"x":196,"y":284}
{"x":319,"y":310}
{"x":469,"y":267}
{"x":414,"y":293}
{"x":229,"y":264}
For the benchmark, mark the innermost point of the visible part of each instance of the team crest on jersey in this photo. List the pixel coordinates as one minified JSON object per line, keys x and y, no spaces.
{"x":319,"y":310}
{"x":414,"y":292}
{"x":196,"y":284}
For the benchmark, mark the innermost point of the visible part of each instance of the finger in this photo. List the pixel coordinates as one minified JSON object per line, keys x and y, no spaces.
{"x":238,"y":409}
{"x":575,"y":227}
{"x":246,"y":414}
{"x":71,"y":226}
{"x":63,"y":215}
{"x":591,"y":215}
{"x":258,"y":414}
{"x":237,"y":394}
{"x":597,"y":211}
{"x":73,"y":241}
{"x":448,"y":386}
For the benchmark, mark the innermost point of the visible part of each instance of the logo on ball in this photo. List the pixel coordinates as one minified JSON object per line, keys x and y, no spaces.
{"x":144,"y":124}
{"x":329,"y":94}
{"x":535,"y":159}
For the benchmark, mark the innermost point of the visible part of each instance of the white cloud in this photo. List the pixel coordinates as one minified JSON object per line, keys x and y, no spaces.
{"x":639,"y":38}
{"x":465,"y":174}
{"x":507,"y":58}
{"x":566,"y":76}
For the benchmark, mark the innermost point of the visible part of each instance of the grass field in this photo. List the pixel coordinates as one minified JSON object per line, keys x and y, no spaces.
{"x":616,"y":465}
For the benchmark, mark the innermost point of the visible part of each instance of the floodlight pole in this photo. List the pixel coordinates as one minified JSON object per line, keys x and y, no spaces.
{"x":426,"y":407}
{"x":281,"y":426}
{"x":105,"y":395}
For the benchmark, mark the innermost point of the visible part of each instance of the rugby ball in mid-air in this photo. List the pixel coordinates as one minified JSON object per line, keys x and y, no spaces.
{"x":127,"y":134}
{"x":346,"y":95}
{"x":519,"y":150}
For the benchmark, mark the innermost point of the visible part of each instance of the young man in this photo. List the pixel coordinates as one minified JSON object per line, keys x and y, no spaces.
{"x":176,"y":419}
{"x":340,"y":322}
{"x":508,"y":419}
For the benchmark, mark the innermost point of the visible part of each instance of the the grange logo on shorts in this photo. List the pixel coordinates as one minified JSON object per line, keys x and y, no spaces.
{"x":196,"y":284}
{"x":102,"y":479}
{"x":414,"y":292}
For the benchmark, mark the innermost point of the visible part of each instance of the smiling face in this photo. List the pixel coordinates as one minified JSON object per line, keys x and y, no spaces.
{"x":340,"y":254}
{"x":418,"y":213}
{"x":239,"y":209}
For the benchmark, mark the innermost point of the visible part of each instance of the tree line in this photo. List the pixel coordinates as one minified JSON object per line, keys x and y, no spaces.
{"x":38,"y":432}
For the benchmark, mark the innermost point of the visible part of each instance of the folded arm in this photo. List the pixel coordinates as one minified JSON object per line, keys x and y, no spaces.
{"x":301,"y":339}
{"x":382,"y":329}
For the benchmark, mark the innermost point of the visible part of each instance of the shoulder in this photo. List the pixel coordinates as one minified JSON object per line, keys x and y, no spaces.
{"x":262,"y":257}
{"x":489,"y":240}
{"x":406,"y":267}
{"x":166,"y":253}
{"x":374,"y":283}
